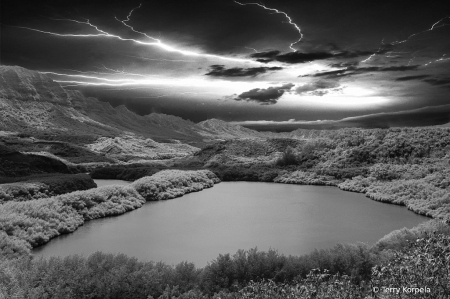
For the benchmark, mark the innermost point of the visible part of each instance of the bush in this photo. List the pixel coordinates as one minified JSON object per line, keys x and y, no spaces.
{"x":169,"y":184}
{"x":306,"y":178}
{"x":424,"y":263}
{"x":252,"y":174}
{"x":103,"y":201}
{"x":45,"y":186}
{"x":123,"y":173}
{"x":37,"y":221}
{"x":288,"y":158}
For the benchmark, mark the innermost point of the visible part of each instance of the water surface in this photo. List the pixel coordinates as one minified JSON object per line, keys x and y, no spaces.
{"x":293,"y":219}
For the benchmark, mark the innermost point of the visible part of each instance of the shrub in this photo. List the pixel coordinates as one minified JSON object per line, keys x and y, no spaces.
{"x":288,"y":158}
{"x":103,"y":201}
{"x":37,"y":221}
{"x":423,"y":263}
{"x":45,"y":186}
{"x":306,"y":178}
{"x":169,"y":184}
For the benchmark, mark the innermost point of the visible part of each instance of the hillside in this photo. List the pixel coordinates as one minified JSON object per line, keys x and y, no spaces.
{"x":31,"y":102}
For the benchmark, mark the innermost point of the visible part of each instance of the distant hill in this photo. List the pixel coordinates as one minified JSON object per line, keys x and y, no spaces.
{"x":226,"y":130}
{"x":32,"y":102}
{"x":421,"y":117}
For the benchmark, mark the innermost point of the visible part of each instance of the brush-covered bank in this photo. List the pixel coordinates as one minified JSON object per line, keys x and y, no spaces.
{"x":417,"y":257}
{"x":30,"y":223}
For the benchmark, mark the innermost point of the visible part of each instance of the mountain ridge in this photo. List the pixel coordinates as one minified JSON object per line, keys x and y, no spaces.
{"x":31,"y":102}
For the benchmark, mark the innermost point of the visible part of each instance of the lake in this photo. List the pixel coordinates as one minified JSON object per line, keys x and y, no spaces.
{"x":293,"y":219}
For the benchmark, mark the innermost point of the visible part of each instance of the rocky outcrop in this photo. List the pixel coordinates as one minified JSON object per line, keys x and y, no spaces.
{"x":125,"y":147}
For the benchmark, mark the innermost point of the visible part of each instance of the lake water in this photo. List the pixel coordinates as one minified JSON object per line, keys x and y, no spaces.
{"x":293,"y":219}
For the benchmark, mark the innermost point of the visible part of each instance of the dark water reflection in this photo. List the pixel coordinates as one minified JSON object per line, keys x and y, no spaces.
{"x":237,"y":215}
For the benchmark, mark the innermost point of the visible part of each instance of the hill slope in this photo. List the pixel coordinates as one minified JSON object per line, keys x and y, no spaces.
{"x":32,"y":102}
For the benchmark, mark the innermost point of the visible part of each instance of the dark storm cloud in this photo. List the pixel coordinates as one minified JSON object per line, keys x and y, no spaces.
{"x":264,"y":60}
{"x":264,"y":96}
{"x":301,"y":57}
{"x":351,"y":71}
{"x":318,"y":88}
{"x":218,"y":70}
{"x":438,"y":81}
{"x":268,"y":54}
{"x":344,"y":64}
{"x":409,"y":78}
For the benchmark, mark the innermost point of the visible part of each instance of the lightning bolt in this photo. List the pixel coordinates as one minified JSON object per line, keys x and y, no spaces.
{"x":413,"y":56}
{"x":369,"y":58}
{"x":87,"y":77}
{"x":154,"y":43}
{"x":253,"y":49}
{"x":89,"y":80}
{"x":122,"y":72}
{"x":436,"y":25}
{"x":159,"y":59}
{"x":131,"y":27}
{"x":291,"y":46}
{"x":173,"y":94}
{"x":443,"y":58}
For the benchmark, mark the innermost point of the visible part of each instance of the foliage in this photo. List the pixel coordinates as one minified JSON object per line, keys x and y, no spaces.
{"x":247,"y":274}
{"x":37,"y":221}
{"x":318,"y":284}
{"x":16,"y":164}
{"x":45,"y":186}
{"x":231,"y":272}
{"x":424,"y":263}
{"x":288,"y":158}
{"x":240,"y":173}
{"x":125,"y":172}
{"x":103,"y":201}
{"x":398,"y":239}
{"x":13,"y":247}
{"x":169,"y":184}
{"x":306,"y":178}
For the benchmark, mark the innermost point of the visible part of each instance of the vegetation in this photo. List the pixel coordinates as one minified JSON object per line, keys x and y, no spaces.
{"x":103,"y":201}
{"x":30,"y":223}
{"x":240,"y":173}
{"x":37,"y":221}
{"x":169,"y":184}
{"x":406,"y":166}
{"x":306,"y":178}
{"x":125,"y":172}
{"x":15,"y":164}
{"x":346,"y":271}
{"x":288,"y":158}
{"x":45,"y":186}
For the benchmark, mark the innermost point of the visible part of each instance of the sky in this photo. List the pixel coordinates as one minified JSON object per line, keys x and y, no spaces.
{"x":270,"y":63}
